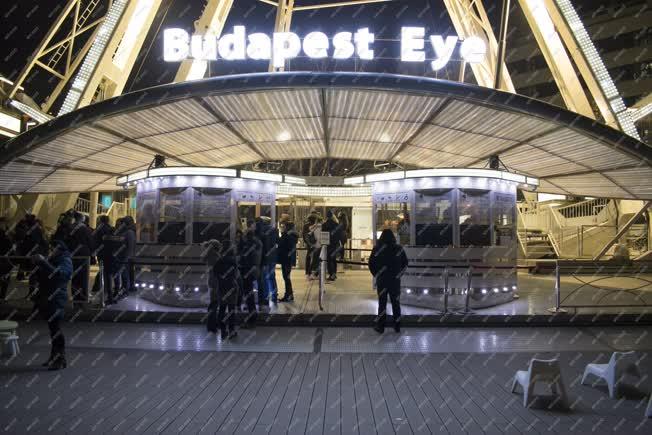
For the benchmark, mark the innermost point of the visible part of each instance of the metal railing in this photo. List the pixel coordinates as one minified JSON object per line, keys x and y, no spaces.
{"x":590,"y":207}
{"x":594,"y":274}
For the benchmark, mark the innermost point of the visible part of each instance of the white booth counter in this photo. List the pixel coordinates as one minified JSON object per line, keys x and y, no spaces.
{"x":452,"y":222}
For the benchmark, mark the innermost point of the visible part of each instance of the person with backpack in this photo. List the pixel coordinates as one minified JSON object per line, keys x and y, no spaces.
{"x":387,"y":264}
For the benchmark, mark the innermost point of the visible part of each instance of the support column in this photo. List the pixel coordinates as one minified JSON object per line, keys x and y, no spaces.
{"x":92,"y":213}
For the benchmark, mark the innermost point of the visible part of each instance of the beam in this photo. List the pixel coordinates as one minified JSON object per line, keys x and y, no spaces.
{"x":325,"y":128}
{"x":502,"y":41}
{"x":336,"y":4}
{"x":211,"y":22}
{"x":556,"y":57}
{"x":227,"y":124}
{"x":433,"y":115}
{"x":622,"y":231}
{"x":282,"y":24}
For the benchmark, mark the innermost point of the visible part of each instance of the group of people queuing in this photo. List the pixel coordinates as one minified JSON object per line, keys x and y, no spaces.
{"x":337,"y":228}
{"x":51,"y":263}
{"x":240,"y":270}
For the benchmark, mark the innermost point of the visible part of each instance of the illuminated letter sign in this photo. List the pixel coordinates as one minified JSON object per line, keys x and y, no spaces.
{"x":282,"y":46}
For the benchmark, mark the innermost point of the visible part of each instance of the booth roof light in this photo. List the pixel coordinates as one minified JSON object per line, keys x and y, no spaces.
{"x":329,"y":191}
{"x":174,"y":171}
{"x":533,"y":181}
{"x":264,"y":176}
{"x":510,"y":176}
{"x":384,"y":176}
{"x":294,"y":180}
{"x":354,"y":180}
{"x":136,"y":176}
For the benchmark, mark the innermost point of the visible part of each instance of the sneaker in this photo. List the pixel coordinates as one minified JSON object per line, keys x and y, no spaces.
{"x":287,"y":298}
{"x":397,"y":327}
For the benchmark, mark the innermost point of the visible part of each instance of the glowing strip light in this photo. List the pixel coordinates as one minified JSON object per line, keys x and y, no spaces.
{"x":36,"y":115}
{"x":321,"y":191}
{"x":638,"y":114}
{"x":209,"y":172}
{"x":103,"y":37}
{"x":9,"y":122}
{"x":384,"y":176}
{"x":597,"y":66}
{"x":354,"y":180}
{"x":470,"y":172}
{"x":293,"y":180}
{"x":264,"y":176}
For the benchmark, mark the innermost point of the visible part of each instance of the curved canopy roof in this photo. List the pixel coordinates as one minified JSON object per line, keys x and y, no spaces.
{"x":233,"y":120}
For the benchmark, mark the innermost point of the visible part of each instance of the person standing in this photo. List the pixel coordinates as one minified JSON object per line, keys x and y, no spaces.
{"x":343,"y":232}
{"x":334,"y":240}
{"x":104,"y":255}
{"x":30,"y":240}
{"x":80,"y":243}
{"x":310,"y":242}
{"x":287,"y":256}
{"x":54,"y":273}
{"x":6,"y":248}
{"x":250,"y":253}
{"x":267,"y":287}
{"x":125,"y":230}
{"x":387,"y":264}
{"x":227,"y":274}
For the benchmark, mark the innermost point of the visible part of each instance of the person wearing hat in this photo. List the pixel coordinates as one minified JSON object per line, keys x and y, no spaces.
{"x":54,"y":273}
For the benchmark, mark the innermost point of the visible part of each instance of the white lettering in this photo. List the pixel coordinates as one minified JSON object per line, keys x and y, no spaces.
{"x":232,"y":45}
{"x":203,"y":47}
{"x":343,"y":47}
{"x":473,"y":49}
{"x":260,"y":46}
{"x":175,"y":45}
{"x":315,"y":45}
{"x":443,"y":50}
{"x":362,"y":40}
{"x":412,"y":44}
{"x":286,"y":45}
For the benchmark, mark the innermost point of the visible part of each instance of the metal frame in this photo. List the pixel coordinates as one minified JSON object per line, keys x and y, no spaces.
{"x":623,"y":230}
{"x":64,"y":47}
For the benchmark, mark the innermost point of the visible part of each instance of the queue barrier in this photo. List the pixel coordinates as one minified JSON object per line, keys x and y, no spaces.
{"x":576,"y":268}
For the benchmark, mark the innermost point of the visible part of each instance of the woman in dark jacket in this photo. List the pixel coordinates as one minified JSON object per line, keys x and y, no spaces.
{"x":250,"y":253}
{"x":6,"y":248}
{"x":54,"y":273}
{"x":287,"y":257}
{"x":387,"y":263}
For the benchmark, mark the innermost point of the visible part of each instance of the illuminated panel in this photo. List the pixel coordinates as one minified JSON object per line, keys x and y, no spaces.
{"x":597,"y":66}
{"x":293,"y":180}
{"x":208,"y":172}
{"x":330,"y":191}
{"x":261,"y":176}
{"x":354,"y":180}
{"x":384,"y":176}
{"x":33,"y":113}
{"x":9,"y":122}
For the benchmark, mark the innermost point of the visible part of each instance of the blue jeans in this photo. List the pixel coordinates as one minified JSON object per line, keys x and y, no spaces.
{"x":269,"y":283}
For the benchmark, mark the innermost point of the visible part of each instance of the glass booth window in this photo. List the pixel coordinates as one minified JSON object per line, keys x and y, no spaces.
{"x":503,"y":211}
{"x":433,"y":217}
{"x":172,"y":215}
{"x":211,"y":214}
{"x":473,"y":211}
{"x":396,"y":217}
{"x":146,"y":217}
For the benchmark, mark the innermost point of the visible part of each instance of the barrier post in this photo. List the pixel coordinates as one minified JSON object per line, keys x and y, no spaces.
{"x":102,"y":286}
{"x":323,"y":257}
{"x":557,"y":308}
{"x":469,"y":277}
{"x":445,"y":289}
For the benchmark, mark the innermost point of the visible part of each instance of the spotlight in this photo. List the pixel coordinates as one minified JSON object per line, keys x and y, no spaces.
{"x":136,"y":285}
{"x":505,"y":289}
{"x":483,"y":291}
{"x":196,"y":289}
{"x":177,"y":289}
{"x":495,"y":289}
{"x":151,"y":286}
{"x":408,"y":291}
{"x":425,"y":291}
{"x":161,"y":287}
{"x":514,"y":287}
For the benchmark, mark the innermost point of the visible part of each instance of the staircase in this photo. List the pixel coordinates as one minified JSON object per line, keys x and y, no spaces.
{"x":536,"y":244}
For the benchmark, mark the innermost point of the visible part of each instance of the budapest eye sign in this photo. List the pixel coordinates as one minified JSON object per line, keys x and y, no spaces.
{"x":178,"y":45}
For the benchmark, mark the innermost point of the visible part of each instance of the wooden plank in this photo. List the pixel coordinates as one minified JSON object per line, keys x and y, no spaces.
{"x":227,"y":365}
{"x":394,"y":406}
{"x":254,"y":410}
{"x":333,"y":415}
{"x":438,"y":402}
{"x":430,"y":415}
{"x":382,"y":421}
{"x":317,"y":411}
{"x":299,"y":420}
{"x":239,"y":408}
{"x":415,"y":418}
{"x":349,"y":414}
{"x":363,"y":401}
{"x":273,"y":405}
{"x":286,"y":409}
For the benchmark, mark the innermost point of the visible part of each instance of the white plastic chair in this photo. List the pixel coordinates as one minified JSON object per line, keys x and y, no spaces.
{"x":8,"y":338}
{"x":620,"y":364}
{"x":540,"y":370}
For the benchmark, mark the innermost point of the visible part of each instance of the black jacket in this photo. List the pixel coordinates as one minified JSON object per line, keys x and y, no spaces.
{"x":99,"y":244}
{"x":80,"y":241}
{"x":268,"y":235}
{"x":387,"y":263}
{"x":54,"y":273}
{"x":287,"y":246}
{"x":333,"y":229}
{"x":227,"y":275}
{"x":250,"y":252}
{"x":6,"y":248}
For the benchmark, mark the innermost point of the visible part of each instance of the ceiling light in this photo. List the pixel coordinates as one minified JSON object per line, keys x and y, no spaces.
{"x":284,"y":136}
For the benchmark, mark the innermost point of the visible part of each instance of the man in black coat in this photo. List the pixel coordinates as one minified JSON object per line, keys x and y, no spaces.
{"x":104,"y":256}
{"x":287,"y":256}
{"x":80,"y":243}
{"x":335,"y":238}
{"x":267,"y":287}
{"x":387,"y":264}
